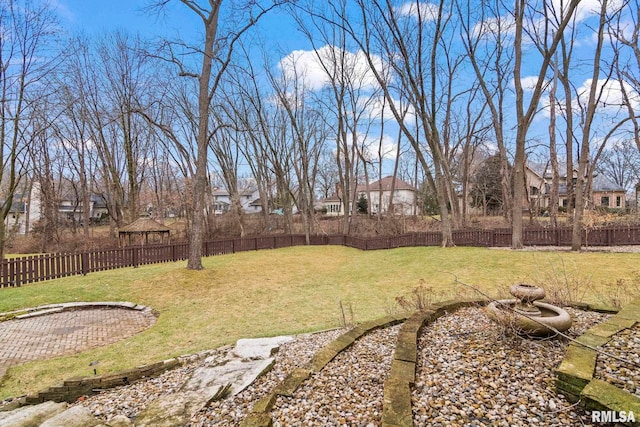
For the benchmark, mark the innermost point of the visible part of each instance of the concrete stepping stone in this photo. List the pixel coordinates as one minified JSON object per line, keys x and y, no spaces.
{"x":76,"y":416}
{"x":28,"y":416}
{"x":217,"y":378}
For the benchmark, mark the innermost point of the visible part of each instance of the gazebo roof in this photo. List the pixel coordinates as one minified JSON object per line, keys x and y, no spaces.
{"x":144,"y":225}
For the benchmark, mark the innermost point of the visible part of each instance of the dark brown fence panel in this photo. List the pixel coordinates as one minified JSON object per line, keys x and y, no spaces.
{"x":472,"y":238}
{"x":221,"y":247}
{"x":4,"y":280}
{"x":180,"y":251}
{"x":336,"y":239}
{"x":379,"y":243}
{"x":299,"y":240}
{"x":595,"y":237}
{"x":501,"y":237}
{"x":318,"y":240}
{"x":354,"y":242}
{"x":17,"y":271}
{"x":283,"y":241}
{"x":564,"y":236}
{"x":625,"y":235}
{"x":540,"y":237}
{"x":427,"y":239}
{"x":268,"y":242}
{"x":245,"y":244}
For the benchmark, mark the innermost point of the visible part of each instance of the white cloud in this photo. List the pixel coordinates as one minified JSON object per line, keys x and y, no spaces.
{"x":62,"y":10}
{"x":426,"y":11}
{"x":536,"y":25}
{"x":612,"y":95}
{"x":610,"y":104}
{"x":503,"y":26}
{"x":378,"y":109}
{"x":373,"y":147}
{"x":317,"y":67}
{"x":529,"y":83}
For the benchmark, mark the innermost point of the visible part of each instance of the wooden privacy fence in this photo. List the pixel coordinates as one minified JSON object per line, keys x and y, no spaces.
{"x":35,"y":268}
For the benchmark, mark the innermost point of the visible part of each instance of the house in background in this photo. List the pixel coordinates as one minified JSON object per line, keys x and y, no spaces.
{"x":249,"y":200}
{"x":604,"y":192}
{"x":332,"y":205}
{"x":25,"y":210}
{"x":403,"y":196}
{"x":72,"y":209}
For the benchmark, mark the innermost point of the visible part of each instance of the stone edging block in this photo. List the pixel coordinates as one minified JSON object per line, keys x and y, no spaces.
{"x":73,"y":388}
{"x":396,"y":408}
{"x":575,"y":375}
{"x":259,"y":415}
{"x":43,"y":310}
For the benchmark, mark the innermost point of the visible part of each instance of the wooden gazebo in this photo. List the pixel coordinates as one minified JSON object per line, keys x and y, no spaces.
{"x":139,"y":231}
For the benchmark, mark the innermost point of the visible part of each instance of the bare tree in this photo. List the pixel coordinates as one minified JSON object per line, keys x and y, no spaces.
{"x":590,"y":111}
{"x":527,"y":16}
{"x":486,"y":36}
{"x":625,"y":31}
{"x":349,"y":92}
{"x":307,"y":134}
{"x":217,"y":49}
{"x":27,"y":31}
{"x":621,"y":164}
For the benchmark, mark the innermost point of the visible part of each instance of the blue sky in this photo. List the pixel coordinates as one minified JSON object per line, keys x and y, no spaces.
{"x":94,"y":17}
{"x":99,"y":16}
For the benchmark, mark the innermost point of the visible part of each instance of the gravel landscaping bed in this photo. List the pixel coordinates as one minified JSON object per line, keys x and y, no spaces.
{"x":626,"y":346}
{"x":231,"y":411}
{"x":348,"y":391}
{"x":470,"y":372}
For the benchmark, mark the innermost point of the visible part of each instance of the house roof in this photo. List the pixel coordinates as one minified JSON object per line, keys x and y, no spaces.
{"x":245,"y":192}
{"x":18,"y":206}
{"x":256,"y":202}
{"x":145,"y":225}
{"x":331,"y":199}
{"x":543,"y":170}
{"x":386,"y":184}
{"x":602,"y":183}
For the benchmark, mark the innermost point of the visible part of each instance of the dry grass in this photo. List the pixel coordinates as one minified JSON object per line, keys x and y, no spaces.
{"x":284,"y":291}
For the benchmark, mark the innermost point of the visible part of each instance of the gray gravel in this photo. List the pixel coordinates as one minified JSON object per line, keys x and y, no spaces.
{"x":625,"y":346}
{"x":470,"y":372}
{"x":474,"y":372}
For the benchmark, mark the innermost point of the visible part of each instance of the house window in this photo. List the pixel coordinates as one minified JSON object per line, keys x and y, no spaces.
{"x":604,"y":201}
{"x":618,"y":201}
{"x":534,"y":191}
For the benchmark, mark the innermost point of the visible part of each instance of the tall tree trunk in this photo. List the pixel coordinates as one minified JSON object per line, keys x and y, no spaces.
{"x":583,"y":168}
{"x":204,"y":100}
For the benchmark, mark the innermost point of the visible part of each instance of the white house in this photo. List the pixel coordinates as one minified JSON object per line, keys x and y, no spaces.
{"x":25,"y":210}
{"x":379,"y":194}
{"x":249,"y":200}
{"x":402,"y":196}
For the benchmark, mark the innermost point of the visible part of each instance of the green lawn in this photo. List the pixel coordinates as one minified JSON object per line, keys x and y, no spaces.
{"x":288,"y":291}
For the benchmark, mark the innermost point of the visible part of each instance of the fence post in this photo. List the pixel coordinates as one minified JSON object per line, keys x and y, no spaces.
{"x":134,"y":257}
{"x":84,"y":260}
{"x":5,"y":273}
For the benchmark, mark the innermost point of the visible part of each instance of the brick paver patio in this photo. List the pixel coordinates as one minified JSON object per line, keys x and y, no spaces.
{"x":67,"y":332}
